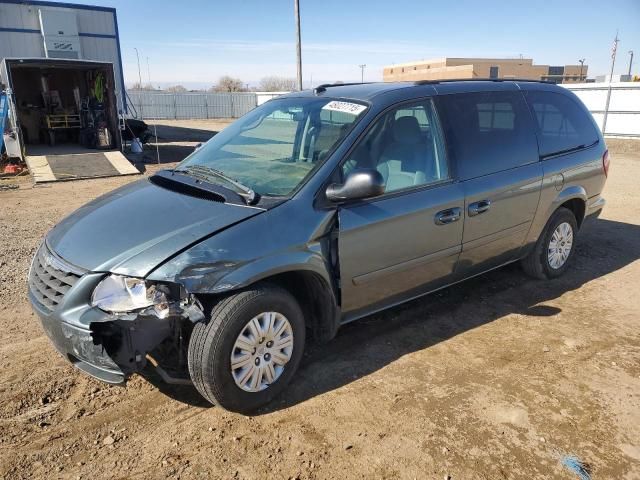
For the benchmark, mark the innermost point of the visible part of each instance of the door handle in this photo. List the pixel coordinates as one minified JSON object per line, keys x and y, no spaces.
{"x":447,"y":216}
{"x":477,"y":208}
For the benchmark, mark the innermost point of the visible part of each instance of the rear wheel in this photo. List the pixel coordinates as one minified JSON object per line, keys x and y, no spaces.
{"x":555,"y":247}
{"x":249,"y":350}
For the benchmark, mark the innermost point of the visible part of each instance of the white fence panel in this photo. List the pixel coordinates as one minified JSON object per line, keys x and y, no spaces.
{"x":623,"y":117}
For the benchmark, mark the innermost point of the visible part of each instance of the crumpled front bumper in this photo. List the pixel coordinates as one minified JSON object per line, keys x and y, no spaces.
{"x":68,"y":328}
{"x":107,"y":346}
{"x":77,"y":346}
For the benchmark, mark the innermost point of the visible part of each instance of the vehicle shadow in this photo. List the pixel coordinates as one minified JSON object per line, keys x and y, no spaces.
{"x":170,"y":146}
{"x":181,"y":393}
{"x":170,"y":133}
{"x":371,"y":343}
{"x":374,"y":342}
{"x":165,"y":154}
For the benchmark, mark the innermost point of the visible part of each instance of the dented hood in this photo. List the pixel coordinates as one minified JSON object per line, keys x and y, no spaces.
{"x":134,"y":228}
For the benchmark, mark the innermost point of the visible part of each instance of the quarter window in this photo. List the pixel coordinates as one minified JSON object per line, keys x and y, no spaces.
{"x":488,"y":132}
{"x":405,"y":145}
{"x":562,"y":124}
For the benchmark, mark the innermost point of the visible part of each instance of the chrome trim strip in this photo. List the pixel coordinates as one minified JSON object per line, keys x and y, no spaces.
{"x":59,"y":263}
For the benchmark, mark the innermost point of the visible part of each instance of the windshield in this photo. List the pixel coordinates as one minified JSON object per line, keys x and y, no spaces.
{"x":273,"y":148}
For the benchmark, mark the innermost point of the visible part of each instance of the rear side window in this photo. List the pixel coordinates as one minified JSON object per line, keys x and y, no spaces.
{"x":488,"y":132}
{"x":562,"y":124}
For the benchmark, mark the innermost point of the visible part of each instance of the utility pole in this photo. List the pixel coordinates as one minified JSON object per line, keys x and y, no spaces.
{"x":139,"y":81}
{"x":296,"y":11}
{"x":581,"y":61}
{"x":362,"y":67}
{"x":614,"y":50}
{"x":155,"y":129}
{"x":139,"y":75}
{"x":630,"y":61}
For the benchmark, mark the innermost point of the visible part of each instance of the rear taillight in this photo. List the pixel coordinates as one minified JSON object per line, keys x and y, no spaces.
{"x":605,"y":163}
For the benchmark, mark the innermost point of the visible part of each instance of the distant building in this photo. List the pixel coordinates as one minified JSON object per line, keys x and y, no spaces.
{"x":450,"y":68}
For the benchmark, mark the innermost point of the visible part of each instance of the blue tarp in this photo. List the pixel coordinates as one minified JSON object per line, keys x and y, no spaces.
{"x":4,"y":109}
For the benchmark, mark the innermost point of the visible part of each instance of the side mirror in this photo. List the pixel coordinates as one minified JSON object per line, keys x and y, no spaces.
{"x":364,"y":183}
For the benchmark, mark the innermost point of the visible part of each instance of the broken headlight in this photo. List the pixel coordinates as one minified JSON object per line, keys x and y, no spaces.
{"x":120,"y":294}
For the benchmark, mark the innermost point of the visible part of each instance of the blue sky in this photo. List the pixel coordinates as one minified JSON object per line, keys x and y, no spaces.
{"x":193,"y":42}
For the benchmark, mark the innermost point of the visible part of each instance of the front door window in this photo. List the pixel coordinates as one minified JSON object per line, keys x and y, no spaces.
{"x":405,"y":146}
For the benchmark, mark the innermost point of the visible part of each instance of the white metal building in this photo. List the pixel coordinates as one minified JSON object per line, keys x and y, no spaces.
{"x":61,"y":72}
{"x":40,"y":29}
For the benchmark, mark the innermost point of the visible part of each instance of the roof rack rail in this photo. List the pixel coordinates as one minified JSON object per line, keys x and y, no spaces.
{"x":448,"y":80}
{"x":324,"y":86}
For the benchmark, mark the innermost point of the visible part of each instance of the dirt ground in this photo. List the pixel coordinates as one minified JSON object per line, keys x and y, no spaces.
{"x":499,"y":377}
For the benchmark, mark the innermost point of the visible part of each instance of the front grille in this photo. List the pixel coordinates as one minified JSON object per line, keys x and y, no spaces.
{"x":50,"y":278}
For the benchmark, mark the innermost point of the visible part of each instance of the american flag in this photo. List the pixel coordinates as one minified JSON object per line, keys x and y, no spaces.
{"x":614,"y":47}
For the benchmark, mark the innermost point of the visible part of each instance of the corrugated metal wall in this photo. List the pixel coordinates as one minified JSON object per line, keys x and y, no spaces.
{"x":20,"y":31}
{"x":183,"y":106}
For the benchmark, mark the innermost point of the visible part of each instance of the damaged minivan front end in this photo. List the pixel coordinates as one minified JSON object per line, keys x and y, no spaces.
{"x":110,"y":326}
{"x":230,"y":239}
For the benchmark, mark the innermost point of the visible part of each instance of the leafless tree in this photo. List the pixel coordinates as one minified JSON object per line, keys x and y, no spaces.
{"x":176,"y":89}
{"x":228,"y":84}
{"x":137,"y":86}
{"x":277,"y":84}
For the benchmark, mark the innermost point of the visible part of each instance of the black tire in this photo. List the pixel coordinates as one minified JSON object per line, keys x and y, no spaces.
{"x":536,"y":264}
{"x":210,"y":346}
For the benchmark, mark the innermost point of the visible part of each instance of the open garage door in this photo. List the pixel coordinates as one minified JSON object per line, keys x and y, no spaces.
{"x":66,"y":118}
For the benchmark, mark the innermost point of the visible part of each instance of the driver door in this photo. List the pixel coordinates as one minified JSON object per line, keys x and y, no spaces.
{"x":407,"y":241}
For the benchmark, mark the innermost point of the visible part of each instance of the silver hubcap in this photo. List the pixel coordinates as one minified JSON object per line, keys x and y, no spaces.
{"x":261,"y":351}
{"x":560,"y":245}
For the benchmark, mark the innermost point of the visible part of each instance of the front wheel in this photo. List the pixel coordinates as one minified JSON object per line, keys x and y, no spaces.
{"x":555,"y":247}
{"x":249,"y":350}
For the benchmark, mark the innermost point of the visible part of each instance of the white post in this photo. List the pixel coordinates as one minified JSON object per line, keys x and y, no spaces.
{"x":613,"y":62}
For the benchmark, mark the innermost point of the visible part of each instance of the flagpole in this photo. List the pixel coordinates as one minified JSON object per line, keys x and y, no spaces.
{"x":613,"y":62}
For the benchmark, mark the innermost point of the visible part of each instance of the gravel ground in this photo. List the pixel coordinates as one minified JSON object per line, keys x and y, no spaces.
{"x":499,"y":377}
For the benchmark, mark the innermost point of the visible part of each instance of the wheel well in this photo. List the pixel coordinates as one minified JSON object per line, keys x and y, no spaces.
{"x":577,"y":206}
{"x":316,"y":299}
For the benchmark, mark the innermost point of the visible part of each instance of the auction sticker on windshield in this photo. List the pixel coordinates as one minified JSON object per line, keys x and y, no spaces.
{"x":346,"y":107}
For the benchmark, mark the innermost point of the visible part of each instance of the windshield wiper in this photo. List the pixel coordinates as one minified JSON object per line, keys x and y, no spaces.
{"x":203,"y":172}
